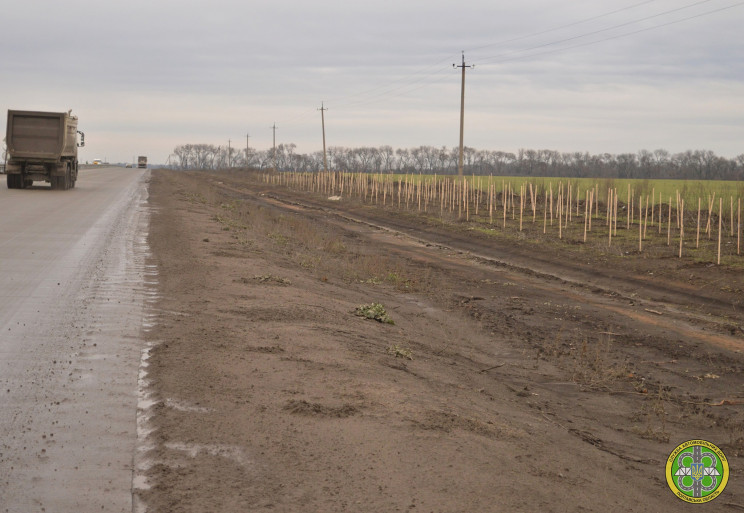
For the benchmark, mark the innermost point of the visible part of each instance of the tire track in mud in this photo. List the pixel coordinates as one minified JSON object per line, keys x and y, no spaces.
{"x":548,"y":276}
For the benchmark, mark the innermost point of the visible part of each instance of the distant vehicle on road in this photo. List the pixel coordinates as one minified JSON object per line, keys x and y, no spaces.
{"x":42,"y":146}
{"x":142,"y":161}
{"x":97,"y":162}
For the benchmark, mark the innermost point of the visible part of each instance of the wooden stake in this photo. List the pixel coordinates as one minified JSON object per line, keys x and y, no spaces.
{"x":681,"y":226}
{"x":669,"y":223}
{"x":660,"y":205}
{"x":467,"y":199}
{"x":732,"y":216}
{"x":720,"y":211}
{"x":591,"y":209}
{"x":560,"y":220}
{"x":521,"y":205}
{"x":630,"y":201}
{"x":697,"y":237}
{"x":710,"y":213}
{"x":586,"y":213}
{"x":616,"y":202}
{"x":514,"y":215}
{"x":490,"y":202}
{"x":568,"y":204}
{"x":640,"y":226}
{"x":532,"y":199}
{"x":503,"y":194}
{"x":477,"y":196}
{"x":609,"y":215}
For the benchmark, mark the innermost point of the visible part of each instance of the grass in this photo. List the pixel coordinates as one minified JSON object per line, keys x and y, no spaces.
{"x":411,"y":200}
{"x":400,"y":352}
{"x":688,"y":189}
{"x":374,"y":311}
{"x":593,"y":367}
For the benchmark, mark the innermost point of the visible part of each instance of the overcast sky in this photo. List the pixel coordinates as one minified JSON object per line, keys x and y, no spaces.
{"x":609,"y":76}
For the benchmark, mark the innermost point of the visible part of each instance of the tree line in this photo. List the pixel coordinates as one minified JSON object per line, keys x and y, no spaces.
{"x":697,"y":164}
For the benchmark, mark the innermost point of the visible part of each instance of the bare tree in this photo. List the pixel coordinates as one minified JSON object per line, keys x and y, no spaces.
{"x":429,"y":159}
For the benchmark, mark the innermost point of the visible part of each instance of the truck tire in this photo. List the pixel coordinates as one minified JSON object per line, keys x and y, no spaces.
{"x":16,"y":182}
{"x":57,"y":182}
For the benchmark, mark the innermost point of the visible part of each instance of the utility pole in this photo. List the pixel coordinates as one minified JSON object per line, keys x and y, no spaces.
{"x":228,"y":153}
{"x":274,"y":152}
{"x":247,"y":136}
{"x":462,"y":112}
{"x":322,"y":110}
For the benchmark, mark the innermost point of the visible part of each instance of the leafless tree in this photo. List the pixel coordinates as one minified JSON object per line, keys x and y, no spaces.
{"x":644,"y":164}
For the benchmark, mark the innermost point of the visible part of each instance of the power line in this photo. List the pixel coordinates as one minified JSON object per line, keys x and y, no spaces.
{"x":610,"y":38}
{"x":385,"y":91}
{"x":434,"y":73}
{"x":567,"y":25}
{"x":614,"y":27}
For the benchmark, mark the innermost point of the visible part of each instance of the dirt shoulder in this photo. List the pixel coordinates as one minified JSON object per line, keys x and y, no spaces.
{"x":499,"y":387}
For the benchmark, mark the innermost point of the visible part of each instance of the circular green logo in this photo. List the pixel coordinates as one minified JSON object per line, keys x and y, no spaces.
{"x":697,"y":471}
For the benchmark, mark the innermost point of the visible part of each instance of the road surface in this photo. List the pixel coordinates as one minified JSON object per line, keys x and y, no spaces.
{"x":73,"y":285}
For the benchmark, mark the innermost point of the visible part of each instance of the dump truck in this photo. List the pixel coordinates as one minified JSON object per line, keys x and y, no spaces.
{"x":142,"y":161}
{"x":42,"y":146}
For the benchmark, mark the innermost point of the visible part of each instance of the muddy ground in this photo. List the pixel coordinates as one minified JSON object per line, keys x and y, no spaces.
{"x":517,"y":376}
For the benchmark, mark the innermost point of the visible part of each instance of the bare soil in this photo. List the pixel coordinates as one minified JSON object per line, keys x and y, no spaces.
{"x":517,"y":376}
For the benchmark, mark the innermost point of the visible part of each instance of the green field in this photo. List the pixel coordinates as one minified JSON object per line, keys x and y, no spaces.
{"x":689,"y":190}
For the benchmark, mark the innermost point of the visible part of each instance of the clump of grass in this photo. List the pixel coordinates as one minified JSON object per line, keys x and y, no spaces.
{"x":195,"y":197}
{"x":402,"y":352}
{"x":655,"y":414}
{"x":279,"y":238}
{"x":374,"y":311}
{"x":229,"y":223}
{"x":270,"y":278}
{"x":594,"y":368}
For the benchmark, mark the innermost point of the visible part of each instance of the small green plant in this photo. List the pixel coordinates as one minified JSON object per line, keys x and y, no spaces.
{"x":402,"y":352}
{"x":374,"y":311}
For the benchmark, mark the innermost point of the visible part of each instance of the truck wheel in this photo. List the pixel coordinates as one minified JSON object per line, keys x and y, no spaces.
{"x":56,"y":182}
{"x":15,"y":182}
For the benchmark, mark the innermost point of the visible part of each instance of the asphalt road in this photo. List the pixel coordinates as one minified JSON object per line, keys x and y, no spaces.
{"x":74,"y":282}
